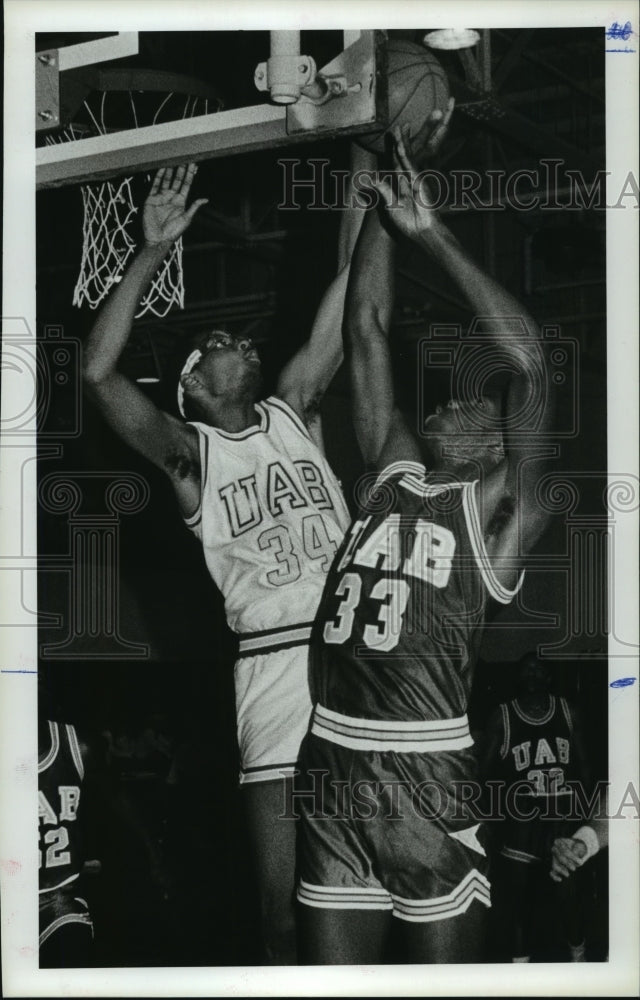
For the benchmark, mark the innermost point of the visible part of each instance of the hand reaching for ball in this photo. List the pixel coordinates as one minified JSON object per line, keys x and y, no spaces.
{"x":410,"y":205}
{"x":424,"y":145}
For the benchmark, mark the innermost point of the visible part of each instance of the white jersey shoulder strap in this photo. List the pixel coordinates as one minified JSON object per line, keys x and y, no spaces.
{"x":476,"y":536}
{"x":276,"y":406}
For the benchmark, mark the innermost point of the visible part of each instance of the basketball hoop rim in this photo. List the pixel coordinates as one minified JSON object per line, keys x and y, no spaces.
{"x":100,"y":82}
{"x":116,"y":78}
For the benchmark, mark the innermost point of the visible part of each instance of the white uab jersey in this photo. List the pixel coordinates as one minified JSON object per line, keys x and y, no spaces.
{"x":270,"y":519}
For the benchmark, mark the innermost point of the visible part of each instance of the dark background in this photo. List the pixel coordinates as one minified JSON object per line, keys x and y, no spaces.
{"x":163,"y":720}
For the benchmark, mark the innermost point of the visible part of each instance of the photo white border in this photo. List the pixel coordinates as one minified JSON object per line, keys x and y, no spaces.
{"x":18,"y":646}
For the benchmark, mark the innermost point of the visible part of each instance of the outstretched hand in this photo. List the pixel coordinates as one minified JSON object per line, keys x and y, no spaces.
{"x":410,"y":207}
{"x":164,"y":217}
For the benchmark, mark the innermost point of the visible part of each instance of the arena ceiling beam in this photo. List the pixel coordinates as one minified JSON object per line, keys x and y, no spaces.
{"x":512,"y":57}
{"x":498,"y":118}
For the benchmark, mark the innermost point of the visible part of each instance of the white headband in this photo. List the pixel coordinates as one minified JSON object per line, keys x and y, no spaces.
{"x":189,"y":364}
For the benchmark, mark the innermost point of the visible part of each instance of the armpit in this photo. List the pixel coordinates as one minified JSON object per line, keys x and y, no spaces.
{"x":181,"y":465}
{"x":311,"y":410}
{"x":503,"y":513}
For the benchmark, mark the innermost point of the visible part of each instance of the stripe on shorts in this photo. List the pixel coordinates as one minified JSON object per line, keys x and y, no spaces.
{"x":344,"y":897}
{"x":382,"y":734}
{"x":515,"y":855}
{"x":266,"y":772}
{"x":273,"y":639}
{"x":473,"y":886}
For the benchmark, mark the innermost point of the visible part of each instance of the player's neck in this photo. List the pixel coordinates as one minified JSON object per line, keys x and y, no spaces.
{"x":231,"y":415}
{"x":535,"y":703}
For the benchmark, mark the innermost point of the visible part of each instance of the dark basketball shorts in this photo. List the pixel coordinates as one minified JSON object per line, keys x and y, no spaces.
{"x":387,"y":830}
{"x":529,"y":840}
{"x":59,"y":908}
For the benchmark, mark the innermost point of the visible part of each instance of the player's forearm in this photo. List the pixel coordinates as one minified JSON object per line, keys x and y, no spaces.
{"x":363,"y":162}
{"x":371,"y":283}
{"x":329,"y":319}
{"x":113,"y":325}
{"x":367,"y":321}
{"x":486,"y":296}
{"x":305,"y":379}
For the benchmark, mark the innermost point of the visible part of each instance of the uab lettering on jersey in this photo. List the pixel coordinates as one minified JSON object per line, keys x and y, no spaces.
{"x":424,"y":551}
{"x":550,"y":780}
{"x":57,"y":839}
{"x":283,"y":492}
{"x":300,"y":488}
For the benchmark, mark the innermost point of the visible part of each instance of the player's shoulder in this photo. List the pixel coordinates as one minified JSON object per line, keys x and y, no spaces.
{"x":499,"y":711}
{"x":399,"y":469}
{"x":282,"y":409}
{"x":570,"y":711}
{"x":68,"y":739}
{"x":380,"y":489}
{"x":498,"y":720}
{"x":415,"y":478}
{"x":407,"y":485}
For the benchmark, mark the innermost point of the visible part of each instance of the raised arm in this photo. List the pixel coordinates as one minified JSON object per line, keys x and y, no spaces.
{"x":161,"y":438}
{"x":305,"y":378}
{"x":380,"y":428}
{"x":507,"y":326}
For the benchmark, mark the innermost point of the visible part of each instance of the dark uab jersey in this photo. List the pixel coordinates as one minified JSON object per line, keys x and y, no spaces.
{"x":400,"y":620}
{"x":538,"y":752}
{"x":60,"y":774}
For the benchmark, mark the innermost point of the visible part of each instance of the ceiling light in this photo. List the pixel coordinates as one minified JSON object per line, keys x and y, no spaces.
{"x":452,"y":38}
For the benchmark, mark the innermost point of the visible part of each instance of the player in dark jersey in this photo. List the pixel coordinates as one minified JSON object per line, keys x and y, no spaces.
{"x":534,"y":747}
{"x":384,"y":829}
{"x":66,"y":929}
{"x":79,"y":805}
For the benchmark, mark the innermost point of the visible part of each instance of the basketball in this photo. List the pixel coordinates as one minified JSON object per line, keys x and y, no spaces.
{"x":417,"y":85}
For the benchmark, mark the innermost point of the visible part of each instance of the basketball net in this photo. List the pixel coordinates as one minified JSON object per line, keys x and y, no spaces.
{"x":107,"y":243}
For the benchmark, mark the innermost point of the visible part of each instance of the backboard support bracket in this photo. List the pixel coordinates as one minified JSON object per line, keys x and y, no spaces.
{"x":226,"y":133}
{"x":355,"y":96}
{"x":51,"y":62}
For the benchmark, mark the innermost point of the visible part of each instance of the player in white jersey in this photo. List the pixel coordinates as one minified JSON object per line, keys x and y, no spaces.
{"x":270,"y":519}
{"x":252,"y":482}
